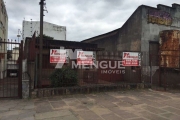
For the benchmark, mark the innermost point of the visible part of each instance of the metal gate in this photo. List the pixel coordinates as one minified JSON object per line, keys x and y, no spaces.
{"x":110,"y":75}
{"x":11,"y":53}
{"x":164,"y":70}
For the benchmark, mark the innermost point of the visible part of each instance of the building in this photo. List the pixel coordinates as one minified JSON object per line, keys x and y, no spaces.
{"x":3,"y":38}
{"x":31,"y":54}
{"x":141,"y":33}
{"x":49,"y":29}
{"x":12,"y":63}
{"x":15,"y":53}
{"x":3,"y":22}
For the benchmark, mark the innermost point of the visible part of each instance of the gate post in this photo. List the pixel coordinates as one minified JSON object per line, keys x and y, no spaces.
{"x":20,"y":70}
{"x":159,"y":81}
{"x":151,"y":70}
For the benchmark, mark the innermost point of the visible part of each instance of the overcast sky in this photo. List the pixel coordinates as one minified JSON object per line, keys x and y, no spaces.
{"x":83,"y":18}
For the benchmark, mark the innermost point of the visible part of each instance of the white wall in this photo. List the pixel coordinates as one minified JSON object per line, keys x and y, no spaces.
{"x":49,"y":29}
{"x":3,"y":36}
{"x":24,"y":66}
{"x":15,"y":54}
{"x":3,"y":67}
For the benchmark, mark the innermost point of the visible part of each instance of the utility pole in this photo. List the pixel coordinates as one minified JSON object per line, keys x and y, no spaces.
{"x":41,"y":3}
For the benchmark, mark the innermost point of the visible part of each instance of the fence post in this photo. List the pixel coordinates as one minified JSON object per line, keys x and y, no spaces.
{"x":159,"y":56}
{"x":20,"y":69}
{"x":151,"y":69}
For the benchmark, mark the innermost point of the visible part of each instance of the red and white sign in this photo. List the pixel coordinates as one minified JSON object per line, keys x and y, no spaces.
{"x":58,"y":56}
{"x":131,"y":59}
{"x":85,"y":58}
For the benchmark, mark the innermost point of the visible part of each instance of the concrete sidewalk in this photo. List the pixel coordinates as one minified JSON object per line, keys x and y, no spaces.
{"x":120,"y":105}
{"x":17,"y":109}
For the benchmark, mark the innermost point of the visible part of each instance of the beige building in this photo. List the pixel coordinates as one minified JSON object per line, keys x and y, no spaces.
{"x":15,"y":53}
{"x":3,"y":38}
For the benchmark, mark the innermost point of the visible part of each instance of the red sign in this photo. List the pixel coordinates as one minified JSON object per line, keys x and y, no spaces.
{"x":130,"y":63}
{"x":131,"y":59}
{"x":84,"y":58}
{"x":57,"y":56}
{"x":54,"y":59}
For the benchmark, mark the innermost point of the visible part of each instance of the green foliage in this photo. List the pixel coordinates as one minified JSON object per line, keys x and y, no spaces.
{"x":64,"y":77}
{"x":46,"y":37}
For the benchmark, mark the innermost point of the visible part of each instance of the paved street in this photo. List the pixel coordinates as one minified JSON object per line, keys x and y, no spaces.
{"x":122,"y":105}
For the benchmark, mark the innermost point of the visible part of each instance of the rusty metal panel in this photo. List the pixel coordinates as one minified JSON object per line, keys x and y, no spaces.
{"x":169,"y":48}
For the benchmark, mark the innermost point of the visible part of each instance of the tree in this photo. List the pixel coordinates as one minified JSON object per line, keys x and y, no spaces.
{"x":46,"y":37}
{"x":64,"y":77}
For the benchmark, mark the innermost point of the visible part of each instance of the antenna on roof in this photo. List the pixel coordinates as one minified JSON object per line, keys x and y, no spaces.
{"x":31,"y":27}
{"x":18,"y":35}
{"x":23,"y":29}
{"x":45,"y":8}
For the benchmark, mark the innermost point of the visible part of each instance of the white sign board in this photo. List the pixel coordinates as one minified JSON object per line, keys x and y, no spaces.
{"x":58,"y":56}
{"x":85,"y":57}
{"x":131,"y":59}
